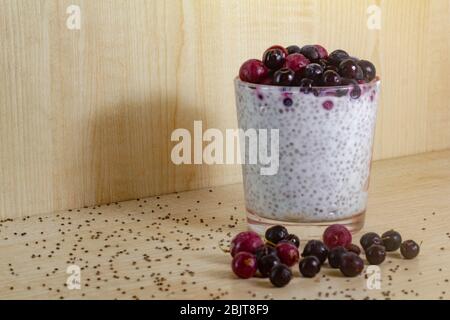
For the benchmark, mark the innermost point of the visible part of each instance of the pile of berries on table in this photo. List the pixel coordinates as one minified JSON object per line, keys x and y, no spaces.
{"x":280,"y":251}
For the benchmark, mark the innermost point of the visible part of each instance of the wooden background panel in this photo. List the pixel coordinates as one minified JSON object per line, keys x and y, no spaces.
{"x":86,"y":115}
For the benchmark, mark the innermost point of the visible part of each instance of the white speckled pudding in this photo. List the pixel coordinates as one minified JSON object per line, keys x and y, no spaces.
{"x":325,"y":154}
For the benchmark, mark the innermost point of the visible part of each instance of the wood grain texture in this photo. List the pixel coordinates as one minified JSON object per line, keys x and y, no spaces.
{"x":168,"y":247}
{"x":86,"y":116}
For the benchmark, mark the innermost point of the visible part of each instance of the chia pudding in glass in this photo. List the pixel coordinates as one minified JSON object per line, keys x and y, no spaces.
{"x":326,"y":121}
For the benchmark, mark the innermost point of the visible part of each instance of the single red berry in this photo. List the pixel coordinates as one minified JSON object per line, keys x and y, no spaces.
{"x":296,"y":62}
{"x":253,"y":71}
{"x":247,"y":241}
{"x":288,"y":253}
{"x":337,"y":235}
{"x":244,"y":265}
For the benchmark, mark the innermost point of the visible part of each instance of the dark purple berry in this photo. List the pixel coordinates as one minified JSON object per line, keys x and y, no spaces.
{"x":316,"y":248}
{"x":331,"y":67}
{"x":348,"y":69}
{"x":309,"y":266}
{"x":368,"y":69}
{"x":354,"y":88}
{"x":334,"y":256}
{"x":354,"y":248}
{"x":264,"y":251}
{"x":409,"y":249}
{"x":313,"y":71}
{"x":292,"y":238}
{"x":351,"y":264}
{"x":266,"y":264}
{"x":323,"y":63}
{"x":244,"y":265}
{"x":331,"y":78}
{"x":284,"y":77}
{"x":293,"y":49}
{"x":391,"y":240}
{"x":375,"y":254}
{"x":310,"y":52}
{"x":276,"y":233}
{"x":280,"y":275}
{"x":306,"y":85}
{"x":337,"y":56}
{"x":369,"y":239}
{"x":274,"y":58}
{"x":287,"y":102}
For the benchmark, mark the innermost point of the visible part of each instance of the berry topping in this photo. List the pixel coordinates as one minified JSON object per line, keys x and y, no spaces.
{"x":316,"y":248}
{"x":253,"y":71}
{"x":313,"y":71}
{"x":284,"y":77}
{"x":334,"y":256}
{"x":309,"y":266}
{"x":247,"y":241}
{"x":244,"y":265}
{"x":288,"y":253}
{"x":368,"y":69}
{"x":409,"y":249}
{"x":355,"y":89}
{"x":328,"y":105}
{"x":306,"y":85}
{"x":274,"y":57}
{"x":296,"y":62}
{"x":293,"y":49}
{"x":337,"y":235}
{"x":266,"y":264}
{"x":276,"y":233}
{"x":351,"y":265}
{"x":280,"y":275}
{"x":391,"y":240}
{"x":348,"y":69}
{"x":310,"y":52}
{"x":331,"y":78}
{"x":376,"y":254}
{"x":337,"y":56}
{"x":323,"y":53}
{"x":369,"y":239}
{"x":292,"y":238}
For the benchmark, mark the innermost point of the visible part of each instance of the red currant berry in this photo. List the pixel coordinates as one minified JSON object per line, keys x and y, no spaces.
{"x":247,"y":241}
{"x":253,"y":71}
{"x":288,"y":253}
{"x":337,"y":235}
{"x":244,"y":265}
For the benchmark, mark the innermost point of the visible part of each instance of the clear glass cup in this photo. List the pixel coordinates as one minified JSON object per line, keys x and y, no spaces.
{"x":325,"y":140}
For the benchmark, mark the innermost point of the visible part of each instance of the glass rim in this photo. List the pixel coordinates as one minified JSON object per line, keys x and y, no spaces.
{"x":376,"y":81}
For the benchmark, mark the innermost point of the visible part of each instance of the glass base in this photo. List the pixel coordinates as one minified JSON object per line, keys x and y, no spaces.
{"x":304,"y":230}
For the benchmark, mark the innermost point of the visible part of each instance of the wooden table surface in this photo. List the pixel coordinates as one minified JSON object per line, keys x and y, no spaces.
{"x":168,"y":247}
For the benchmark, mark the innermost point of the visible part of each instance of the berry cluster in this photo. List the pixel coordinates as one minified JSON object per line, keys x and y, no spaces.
{"x":307,"y":67}
{"x":280,"y":252}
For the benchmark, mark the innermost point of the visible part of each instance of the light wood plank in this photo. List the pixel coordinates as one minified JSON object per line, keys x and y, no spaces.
{"x":86,"y":116}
